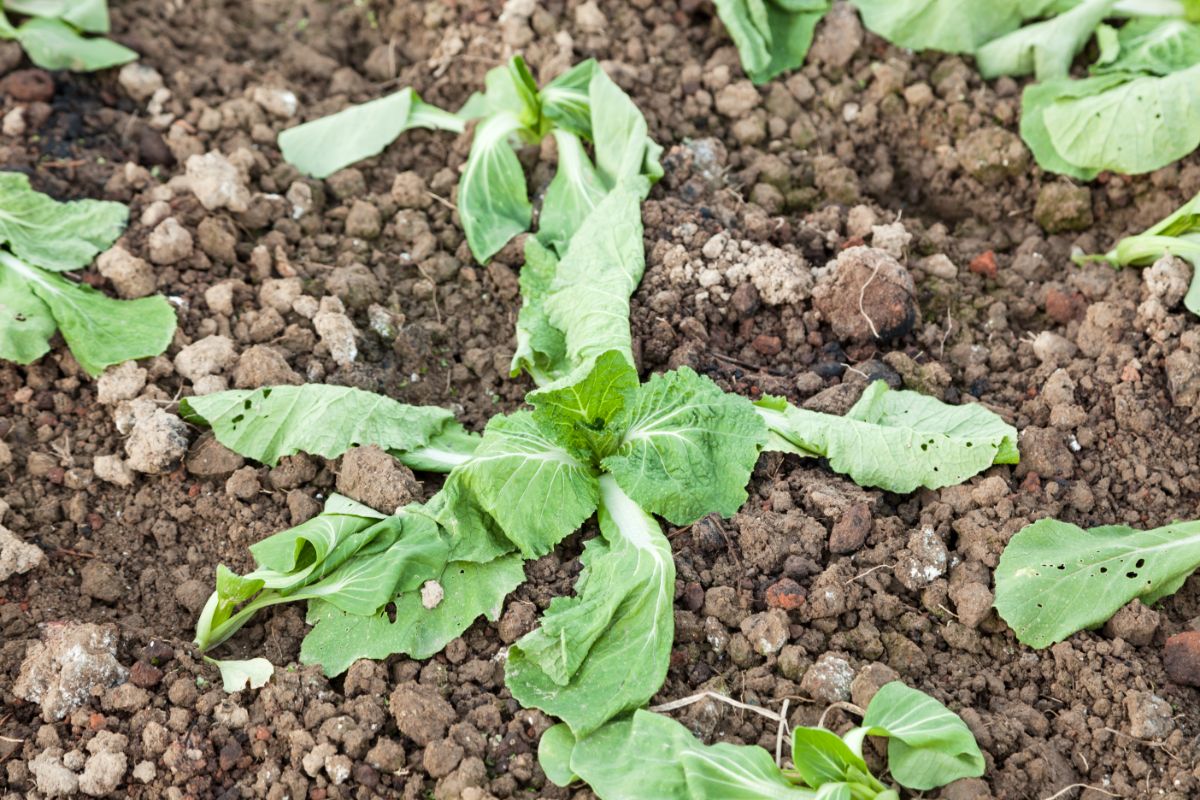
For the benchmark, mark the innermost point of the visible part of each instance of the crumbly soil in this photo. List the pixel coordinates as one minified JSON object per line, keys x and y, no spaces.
{"x":864,"y":585}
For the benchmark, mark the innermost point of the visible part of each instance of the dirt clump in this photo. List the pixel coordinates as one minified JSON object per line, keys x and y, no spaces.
{"x":870,"y":296}
{"x":60,"y":671}
{"x":372,"y":477}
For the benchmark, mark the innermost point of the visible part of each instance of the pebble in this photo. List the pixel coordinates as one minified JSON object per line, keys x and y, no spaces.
{"x":217,"y":183}
{"x":767,"y":631}
{"x":60,"y":671}
{"x":1181,"y":658}
{"x":851,"y":530}
{"x":870,"y":296}
{"x":828,"y":680}
{"x":785,"y":594}
{"x":207,"y":356}
{"x":28,"y":86}
{"x":139,"y":80}
{"x":1150,"y":716}
{"x":169,"y":242}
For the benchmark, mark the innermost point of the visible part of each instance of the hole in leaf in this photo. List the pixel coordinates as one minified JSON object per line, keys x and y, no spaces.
{"x":1104,"y":570}
{"x":1131,"y":575}
{"x":1141,"y":562}
{"x":390,"y":610}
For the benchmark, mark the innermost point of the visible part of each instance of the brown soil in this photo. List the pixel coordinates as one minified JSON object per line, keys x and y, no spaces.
{"x":799,"y":168}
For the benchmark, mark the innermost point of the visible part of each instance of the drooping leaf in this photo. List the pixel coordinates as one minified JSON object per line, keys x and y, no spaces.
{"x":238,"y":675}
{"x":624,"y":152}
{"x":1154,"y":45}
{"x":90,"y":16}
{"x":269,"y":423}
{"x":535,"y":489}
{"x":928,"y":744}
{"x":304,"y":547}
{"x":566,"y":100}
{"x":821,"y":757}
{"x":1055,"y":578}
{"x":898,"y":440}
{"x":1036,"y":99}
{"x":470,"y":590}
{"x":573,"y":194}
{"x":687,"y":448}
{"x":772,"y":36}
{"x":326,"y":145}
{"x":99,"y":330}
{"x":493,"y":203}
{"x":53,"y":44}
{"x":659,"y":759}
{"x":26,"y":323}
{"x":606,"y":650}
{"x":511,"y":89}
{"x":952,"y":26}
{"x":56,"y":236}
{"x":1044,"y":48}
{"x":1136,"y":126}
{"x":474,"y":534}
{"x":541,"y":347}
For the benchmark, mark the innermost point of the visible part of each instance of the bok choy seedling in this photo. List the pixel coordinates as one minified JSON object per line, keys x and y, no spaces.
{"x":40,"y":240}
{"x":581,"y":106}
{"x":53,"y":34}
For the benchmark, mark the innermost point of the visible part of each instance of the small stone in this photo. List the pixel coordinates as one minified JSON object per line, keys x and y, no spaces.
{"x":892,"y":239}
{"x":243,"y":484}
{"x":217,"y":183}
{"x":145,"y":675}
{"x":984,"y":264}
{"x":145,"y":772}
{"x":16,"y":556}
{"x":169,"y":242}
{"x":263,"y":365}
{"x":851,"y":530}
{"x":337,"y":333}
{"x":277,"y":102}
{"x":767,"y":632}
{"x":101,"y":581}
{"x":828,"y":680}
{"x":371,"y":476}
{"x":280,"y":293}
{"x":869,"y":296}
{"x":139,"y":80}
{"x":28,"y":86}
{"x":53,"y":778}
{"x":767,"y":345}
{"x":1150,"y":716}
{"x":113,"y":469}
{"x":130,"y":275}
{"x":60,"y":672}
{"x":1168,"y":279}
{"x":1062,"y":207}
{"x":157,"y":441}
{"x":869,"y":680}
{"x":992,"y":154}
{"x":1181,"y":658}
{"x":208,"y":458}
{"x":208,"y":356}
{"x":363,"y":221}
{"x":1135,"y":622}
{"x":432,"y":594}
{"x":1051,"y":348}
{"x":785,"y":594}
{"x":923,"y":561}
{"x":122,"y":382}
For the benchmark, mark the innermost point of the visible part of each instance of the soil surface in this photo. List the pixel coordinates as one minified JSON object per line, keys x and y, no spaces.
{"x":817,"y":591}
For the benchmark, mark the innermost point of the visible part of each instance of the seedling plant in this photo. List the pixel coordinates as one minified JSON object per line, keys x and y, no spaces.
{"x":53,"y":34}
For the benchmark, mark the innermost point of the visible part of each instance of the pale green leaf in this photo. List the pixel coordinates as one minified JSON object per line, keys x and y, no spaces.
{"x":492,"y":200}
{"x":928,"y":745}
{"x":899,"y":440}
{"x":1137,"y":126}
{"x":470,"y":590}
{"x":1036,"y":99}
{"x":566,"y":101}
{"x":1156,"y":46}
{"x":606,"y":650}
{"x":541,"y":347}
{"x":269,"y":423}
{"x":531,"y":485}
{"x":26,"y":323}
{"x":952,"y":26}
{"x":1055,"y":578}
{"x":582,"y":414}
{"x":304,"y":548}
{"x":90,"y":16}
{"x":573,"y":194}
{"x":554,"y":754}
{"x":511,"y":89}
{"x":623,"y":150}
{"x":474,"y":533}
{"x":688,"y":448}
{"x":589,"y":297}
{"x":238,"y":675}
{"x":53,"y":44}
{"x":99,"y":330}
{"x":820,"y":756}
{"x":326,"y":145}
{"x":772,"y":36}
{"x":659,"y":759}
{"x":1044,"y":48}
{"x":52,"y":235}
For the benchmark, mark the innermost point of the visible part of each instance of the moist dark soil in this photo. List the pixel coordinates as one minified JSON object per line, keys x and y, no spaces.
{"x":816,"y":591}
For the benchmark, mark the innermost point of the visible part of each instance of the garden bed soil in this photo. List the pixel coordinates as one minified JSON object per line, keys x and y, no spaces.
{"x":816,"y":590}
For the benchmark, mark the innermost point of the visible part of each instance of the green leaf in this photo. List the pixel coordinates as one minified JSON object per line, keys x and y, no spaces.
{"x":1153,"y":45}
{"x":238,"y":675}
{"x":688,"y":448}
{"x":326,"y":145}
{"x":474,"y":534}
{"x":492,"y":200}
{"x":952,"y":26}
{"x":659,"y":759}
{"x":573,"y":194}
{"x":1044,"y":48}
{"x":471,"y":590}
{"x":53,"y":44}
{"x":928,"y":745}
{"x":1055,"y":578}
{"x":898,"y":440}
{"x":746,"y":22}
{"x":90,"y":16}
{"x":821,"y":757}
{"x":582,"y":414}
{"x":511,"y":89}
{"x":566,"y":101}
{"x":772,"y":36}
{"x":554,"y":754}
{"x":304,"y":547}
{"x":535,"y":489}
{"x":606,"y":650}
{"x":99,"y":330}
{"x":623,"y":150}
{"x":589,"y":297}
{"x":1137,"y":126}
{"x":269,"y":423}
{"x":1036,"y":99}
{"x":26,"y":323}
{"x":541,"y":347}
{"x":52,"y":235}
